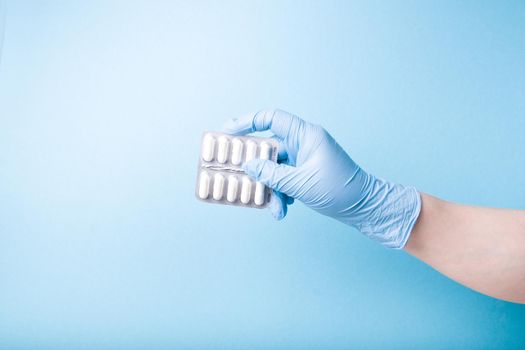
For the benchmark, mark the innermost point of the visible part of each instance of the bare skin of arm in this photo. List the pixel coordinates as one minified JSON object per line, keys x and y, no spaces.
{"x":481,"y":248}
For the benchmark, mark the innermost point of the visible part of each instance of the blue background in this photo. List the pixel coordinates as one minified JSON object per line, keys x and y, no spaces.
{"x":102,"y":104}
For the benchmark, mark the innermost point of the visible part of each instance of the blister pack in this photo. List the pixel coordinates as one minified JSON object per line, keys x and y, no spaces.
{"x":220,"y":178}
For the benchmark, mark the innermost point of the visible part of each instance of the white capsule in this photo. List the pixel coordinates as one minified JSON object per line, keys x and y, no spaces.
{"x":204,"y":185}
{"x":246,"y":190}
{"x":223,"y":149}
{"x":233,"y":188}
{"x":218,"y":186}
{"x":259,"y":193}
{"x":208,"y":147}
{"x":251,"y":150}
{"x":237,"y":147}
{"x":266,"y":150}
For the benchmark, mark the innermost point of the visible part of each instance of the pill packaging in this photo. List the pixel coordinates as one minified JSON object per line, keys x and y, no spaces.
{"x":220,"y":178}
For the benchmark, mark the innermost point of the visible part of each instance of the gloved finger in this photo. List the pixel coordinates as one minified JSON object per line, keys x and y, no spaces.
{"x":281,"y":123}
{"x":289,"y":200}
{"x":280,"y":177}
{"x":278,"y":206}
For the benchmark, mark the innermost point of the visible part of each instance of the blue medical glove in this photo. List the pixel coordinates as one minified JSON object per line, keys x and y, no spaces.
{"x":317,"y":171}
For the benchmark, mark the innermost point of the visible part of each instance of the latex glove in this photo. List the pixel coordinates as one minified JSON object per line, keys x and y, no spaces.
{"x":317,"y":171}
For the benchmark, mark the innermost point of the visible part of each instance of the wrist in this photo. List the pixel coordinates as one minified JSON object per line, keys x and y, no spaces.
{"x":385,"y":212}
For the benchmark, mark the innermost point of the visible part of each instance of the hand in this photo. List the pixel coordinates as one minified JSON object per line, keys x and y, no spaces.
{"x":314,"y":169}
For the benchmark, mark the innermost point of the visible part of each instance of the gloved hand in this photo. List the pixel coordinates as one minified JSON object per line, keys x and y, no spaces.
{"x":314,"y":169}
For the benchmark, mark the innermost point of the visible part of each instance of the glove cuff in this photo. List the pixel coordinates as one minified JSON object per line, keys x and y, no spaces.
{"x":389,"y":213}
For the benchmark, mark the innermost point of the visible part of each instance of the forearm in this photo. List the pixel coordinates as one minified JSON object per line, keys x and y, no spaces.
{"x":482,"y":248}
